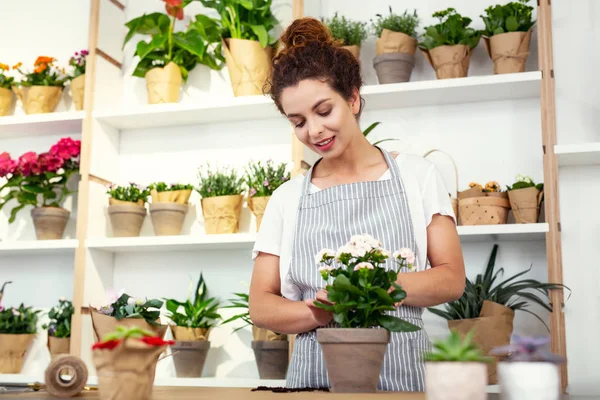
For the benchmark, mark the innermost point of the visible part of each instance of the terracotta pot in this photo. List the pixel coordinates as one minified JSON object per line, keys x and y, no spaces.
{"x":529,"y":380}
{"x":49,"y":222}
{"x":394,"y":67}
{"x":13,"y":349}
{"x":258,"y":205}
{"x":248,"y":64}
{"x":508,"y":51}
{"x":38,"y":99}
{"x":77,"y":90}
{"x":126,"y":219}
{"x":348,"y":351}
{"x":355,"y":50}
{"x":189,"y":357}
{"x":222,"y":214}
{"x":168,"y":218}
{"x":272,"y":358}
{"x":58,"y":346}
{"x":103,"y":324}
{"x":455,"y":381}
{"x":163,"y":84}
{"x":7,"y":102}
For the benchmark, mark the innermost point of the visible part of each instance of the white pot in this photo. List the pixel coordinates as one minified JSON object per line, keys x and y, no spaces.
{"x":529,"y":380}
{"x":456,"y":380}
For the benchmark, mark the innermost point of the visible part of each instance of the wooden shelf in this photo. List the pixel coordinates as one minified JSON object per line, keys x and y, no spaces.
{"x":577,"y":154}
{"x":37,"y":247}
{"x":41,"y":124}
{"x":506,"y":232}
{"x":397,"y":95}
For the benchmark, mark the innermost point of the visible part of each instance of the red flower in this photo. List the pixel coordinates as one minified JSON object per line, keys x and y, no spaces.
{"x":50,"y":162}
{"x":108,"y":345}
{"x":7,"y":165}
{"x":174,"y":8}
{"x":28,"y":164}
{"x":156,"y":341}
{"x":66,"y":148}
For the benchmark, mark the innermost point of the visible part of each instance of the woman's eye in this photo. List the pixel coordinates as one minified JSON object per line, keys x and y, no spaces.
{"x":326,"y":113}
{"x":300,"y":124}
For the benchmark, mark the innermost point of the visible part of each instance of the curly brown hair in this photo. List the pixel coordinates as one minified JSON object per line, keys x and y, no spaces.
{"x":310,"y":52}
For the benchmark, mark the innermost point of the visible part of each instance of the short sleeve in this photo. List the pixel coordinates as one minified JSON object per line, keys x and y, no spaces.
{"x":268,"y":239}
{"x":436,"y":198}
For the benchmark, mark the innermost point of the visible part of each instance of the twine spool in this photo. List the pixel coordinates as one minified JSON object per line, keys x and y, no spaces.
{"x":57,"y":383}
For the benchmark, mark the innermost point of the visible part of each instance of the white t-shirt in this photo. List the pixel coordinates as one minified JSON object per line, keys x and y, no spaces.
{"x":425,"y":189}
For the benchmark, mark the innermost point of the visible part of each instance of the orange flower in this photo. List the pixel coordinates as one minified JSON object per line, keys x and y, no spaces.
{"x":492,"y":186}
{"x":41,"y":68}
{"x":4,"y":67}
{"x":43,"y":60}
{"x":475,"y":185}
{"x":17,"y":65}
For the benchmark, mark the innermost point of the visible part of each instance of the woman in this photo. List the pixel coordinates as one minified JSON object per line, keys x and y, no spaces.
{"x":354,"y":188}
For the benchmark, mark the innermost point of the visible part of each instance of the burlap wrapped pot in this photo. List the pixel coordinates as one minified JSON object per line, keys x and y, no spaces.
{"x":449,"y":61}
{"x":163,"y":84}
{"x":258,"y":205}
{"x":248,"y":64}
{"x":49,"y":222}
{"x":171,"y":196}
{"x":222,"y":213}
{"x":38,"y":99}
{"x":77,"y":90}
{"x":13,"y":348}
{"x":525,"y":204}
{"x":7,"y":102}
{"x":508,"y":51}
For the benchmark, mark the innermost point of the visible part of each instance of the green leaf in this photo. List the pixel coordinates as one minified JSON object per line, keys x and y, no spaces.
{"x":342,"y":283}
{"x":325,"y":307}
{"x":370,"y":128}
{"x":261,"y":32}
{"x":383,"y":296}
{"x":14,"y":211}
{"x":512,"y":24}
{"x":157,"y":42}
{"x":394,"y":324}
{"x":150,"y":24}
{"x":191,"y":41}
{"x":33,"y":188}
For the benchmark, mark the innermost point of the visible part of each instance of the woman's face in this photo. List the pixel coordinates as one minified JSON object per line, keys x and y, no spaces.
{"x":322,"y":119}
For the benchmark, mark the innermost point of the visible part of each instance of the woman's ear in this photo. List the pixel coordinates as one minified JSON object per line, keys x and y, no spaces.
{"x":355,"y":101}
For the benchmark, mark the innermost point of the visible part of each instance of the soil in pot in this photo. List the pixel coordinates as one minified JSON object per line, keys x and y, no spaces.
{"x":163,"y":84}
{"x":248,"y":64}
{"x":49,"y":222}
{"x":348,"y":351}
{"x":455,"y":381}
{"x":168,"y":218}
{"x":189,"y":357}
{"x":529,"y":380}
{"x":13,"y":349}
{"x":272,"y":358}
{"x":126,"y":219}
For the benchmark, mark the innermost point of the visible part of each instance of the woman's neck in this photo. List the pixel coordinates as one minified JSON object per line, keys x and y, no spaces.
{"x":358,"y":157}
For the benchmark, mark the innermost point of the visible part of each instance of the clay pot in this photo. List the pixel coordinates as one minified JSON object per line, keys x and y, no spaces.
{"x":168,"y":218}
{"x":49,"y":222}
{"x":272,"y":358}
{"x":189,"y":357}
{"x":126,"y":219}
{"x":455,"y":380}
{"x":394,"y":67}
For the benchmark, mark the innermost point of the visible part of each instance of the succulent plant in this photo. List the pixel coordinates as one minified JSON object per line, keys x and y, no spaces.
{"x":456,"y":349}
{"x":527,"y":349}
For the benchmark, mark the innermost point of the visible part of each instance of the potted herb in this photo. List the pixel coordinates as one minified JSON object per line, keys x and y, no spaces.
{"x":125,"y":360}
{"x":487,"y":205}
{"x":246,"y":28}
{"x":455,"y":369}
{"x":167,"y":58}
{"x":488,"y":306}
{"x":350,"y":33}
{"x":40,"y":90}
{"x":395,"y":47}
{"x":271,"y":349}
{"x":361,"y":293}
{"x":126,"y":209}
{"x":507,"y":35}
{"x":41,"y":181}
{"x":77,"y":77}
{"x":262,"y":180}
{"x":525,"y":199}
{"x":18,"y":327}
{"x":527,"y":371}
{"x":222,"y":199}
{"x":193,"y":320}
{"x":127,"y":311}
{"x":59,"y":327}
{"x":169,"y":207}
{"x":448,"y":45}
{"x":6,"y":95}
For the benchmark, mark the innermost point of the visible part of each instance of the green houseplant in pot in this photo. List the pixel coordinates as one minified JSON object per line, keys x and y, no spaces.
{"x":41,"y":90}
{"x":193,"y":319}
{"x":41,"y":180}
{"x":7,"y":99}
{"x":525,"y":199}
{"x":262,"y":178}
{"x":18,"y":327}
{"x":349,"y":33}
{"x":448,"y":44}
{"x":59,"y":327}
{"x":360,"y":293}
{"x":126,"y":209}
{"x":395,"y":46}
{"x":456,"y":369}
{"x":169,"y":207}
{"x":507,"y":35}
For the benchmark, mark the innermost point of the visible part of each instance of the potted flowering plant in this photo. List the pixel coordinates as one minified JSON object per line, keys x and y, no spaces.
{"x":18,"y":327}
{"x":125,"y":310}
{"x":59,"y":327}
{"x":523,"y":359}
{"x":361,"y":293}
{"x":221,"y":191}
{"x":126,"y":209}
{"x":262,"y":179}
{"x":77,"y":77}
{"x":167,"y":58}
{"x":507,"y":35}
{"x":487,"y":205}
{"x":40,"y":90}
{"x":169,"y":207}
{"x":193,"y":320}
{"x":349,"y":33}
{"x":41,"y":181}
{"x":6,"y":94}
{"x":125,"y":360}
{"x":448,"y":45}
{"x":395,"y":46}
{"x":455,"y":369}
{"x":525,"y":199}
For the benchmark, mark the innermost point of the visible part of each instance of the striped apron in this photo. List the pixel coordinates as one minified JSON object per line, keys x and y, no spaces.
{"x":327,"y":219}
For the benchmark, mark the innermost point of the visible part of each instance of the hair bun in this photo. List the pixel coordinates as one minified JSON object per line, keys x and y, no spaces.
{"x":303,"y":31}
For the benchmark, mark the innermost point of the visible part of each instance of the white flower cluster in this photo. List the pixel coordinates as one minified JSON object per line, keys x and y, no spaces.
{"x":158,"y":62}
{"x":524,"y":178}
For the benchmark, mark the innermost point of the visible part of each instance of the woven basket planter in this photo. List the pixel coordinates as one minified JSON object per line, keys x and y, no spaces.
{"x":483,"y":210}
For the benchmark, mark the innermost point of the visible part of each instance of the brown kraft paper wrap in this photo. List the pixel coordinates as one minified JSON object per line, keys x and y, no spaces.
{"x":127,"y":371}
{"x":184,"y":333}
{"x":77,"y":90}
{"x":171,"y":196}
{"x":249,"y":65}
{"x":449,"y":61}
{"x":394,"y":42}
{"x":13,"y":348}
{"x":39,"y":99}
{"x":113,"y":202}
{"x":258,"y":205}
{"x":525,"y":204}
{"x":355,"y":50}
{"x":6,"y":102}
{"x":492,"y":329}
{"x":484,"y":210}
{"x":222,"y":213}
{"x":267,"y":335}
{"x":508,"y":51}
{"x":103,"y":324}
{"x":58,"y":346}
{"x":163,"y":84}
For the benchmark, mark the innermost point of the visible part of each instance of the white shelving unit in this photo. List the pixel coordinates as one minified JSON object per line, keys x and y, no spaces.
{"x":506,"y":232}
{"x":38,"y":247}
{"x":41,"y":124}
{"x":578,"y":154}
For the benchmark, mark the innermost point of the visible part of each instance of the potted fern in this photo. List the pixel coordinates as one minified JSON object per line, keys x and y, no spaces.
{"x":7,"y":99}
{"x":349,"y":33}
{"x":488,"y":305}
{"x":59,"y":327}
{"x":395,"y":47}
{"x":525,"y":199}
{"x":455,"y":369}
{"x":169,"y":207}
{"x":192,"y":321}
{"x":507,"y":35}
{"x":448,"y":44}
{"x":262,"y":179}
{"x":126,"y":209}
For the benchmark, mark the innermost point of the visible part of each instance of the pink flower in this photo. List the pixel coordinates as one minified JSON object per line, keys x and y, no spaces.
{"x":405,"y":254}
{"x":252,"y":192}
{"x":28,"y":164}
{"x":174,"y":8}
{"x":7,"y":165}
{"x":266,"y":183}
{"x":50,"y":162}
{"x":365,"y":265}
{"x":66,"y":148}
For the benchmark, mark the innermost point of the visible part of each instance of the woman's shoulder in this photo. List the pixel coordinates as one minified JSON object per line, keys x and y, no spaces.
{"x":414,"y":164}
{"x":287,"y":192}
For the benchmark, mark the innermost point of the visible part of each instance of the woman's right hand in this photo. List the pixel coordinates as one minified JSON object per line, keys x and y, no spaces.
{"x":320,"y":316}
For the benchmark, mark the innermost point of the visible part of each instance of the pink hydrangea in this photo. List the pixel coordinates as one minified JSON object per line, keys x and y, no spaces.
{"x":28,"y":164}
{"x":7,"y":165}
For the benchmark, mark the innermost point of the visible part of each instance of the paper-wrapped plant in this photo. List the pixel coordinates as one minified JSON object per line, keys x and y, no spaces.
{"x":59,"y":327}
{"x":525,"y":199}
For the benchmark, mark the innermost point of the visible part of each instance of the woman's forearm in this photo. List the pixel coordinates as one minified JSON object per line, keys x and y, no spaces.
{"x":279,"y":314}
{"x":432,"y":287}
